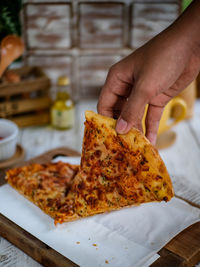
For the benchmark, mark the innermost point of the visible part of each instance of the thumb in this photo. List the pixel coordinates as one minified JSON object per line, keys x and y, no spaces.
{"x":132,"y":112}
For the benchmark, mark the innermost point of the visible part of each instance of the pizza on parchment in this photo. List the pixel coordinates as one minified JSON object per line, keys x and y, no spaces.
{"x":46,"y":185}
{"x":116,"y":170}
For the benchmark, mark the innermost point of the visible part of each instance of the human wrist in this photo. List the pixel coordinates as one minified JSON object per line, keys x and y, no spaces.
{"x":187,"y":27}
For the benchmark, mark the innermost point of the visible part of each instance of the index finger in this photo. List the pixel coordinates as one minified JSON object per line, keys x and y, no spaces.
{"x":106,"y":102}
{"x":113,"y":93}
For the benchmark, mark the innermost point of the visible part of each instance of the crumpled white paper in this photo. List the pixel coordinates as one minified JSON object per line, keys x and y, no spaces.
{"x":129,"y":237}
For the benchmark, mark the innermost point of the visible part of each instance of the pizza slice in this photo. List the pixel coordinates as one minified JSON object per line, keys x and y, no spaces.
{"x":46,"y":185}
{"x":116,"y":170}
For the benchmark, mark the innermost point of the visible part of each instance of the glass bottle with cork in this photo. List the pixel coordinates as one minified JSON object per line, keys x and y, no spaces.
{"x":63,"y":110}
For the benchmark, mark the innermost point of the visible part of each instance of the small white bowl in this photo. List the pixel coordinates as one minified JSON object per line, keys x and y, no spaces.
{"x":9,"y":132}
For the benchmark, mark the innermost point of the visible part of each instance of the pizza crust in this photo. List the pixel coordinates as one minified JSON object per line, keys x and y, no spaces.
{"x":134,"y":140}
{"x":116,"y":171}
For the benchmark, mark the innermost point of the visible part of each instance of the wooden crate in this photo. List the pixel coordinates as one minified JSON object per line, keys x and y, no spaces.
{"x":26,"y":102}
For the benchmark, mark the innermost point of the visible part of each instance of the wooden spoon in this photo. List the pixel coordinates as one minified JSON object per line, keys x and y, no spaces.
{"x":12,"y":47}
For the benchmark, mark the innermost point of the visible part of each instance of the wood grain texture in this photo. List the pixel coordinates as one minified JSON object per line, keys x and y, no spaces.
{"x":148,"y":19}
{"x":26,"y":102}
{"x":8,"y":108}
{"x":46,"y":1}
{"x":187,"y":245}
{"x":75,"y":28}
{"x":31,"y":245}
{"x":11,"y":256}
{"x":48,"y":26}
{"x":35,"y":118}
{"x":93,"y":71}
{"x":51,"y":154}
{"x":53,"y":65}
{"x":40,"y":82}
{"x":101,"y":25}
{"x":16,"y":158}
{"x":168,"y":260}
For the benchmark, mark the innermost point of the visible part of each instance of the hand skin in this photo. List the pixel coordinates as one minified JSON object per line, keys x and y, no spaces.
{"x":153,"y":74}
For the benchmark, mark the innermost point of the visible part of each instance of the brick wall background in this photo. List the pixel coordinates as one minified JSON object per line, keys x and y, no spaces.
{"x":82,"y":39}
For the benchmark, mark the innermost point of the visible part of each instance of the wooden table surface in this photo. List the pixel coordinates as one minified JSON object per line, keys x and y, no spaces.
{"x":182,"y":161}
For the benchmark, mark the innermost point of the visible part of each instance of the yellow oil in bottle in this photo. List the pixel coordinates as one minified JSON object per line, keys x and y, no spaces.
{"x":63,"y":110}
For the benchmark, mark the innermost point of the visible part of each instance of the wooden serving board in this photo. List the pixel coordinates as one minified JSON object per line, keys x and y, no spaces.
{"x":182,"y":250}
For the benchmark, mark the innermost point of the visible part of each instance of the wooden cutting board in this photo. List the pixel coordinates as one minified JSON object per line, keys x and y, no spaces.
{"x":182,"y":250}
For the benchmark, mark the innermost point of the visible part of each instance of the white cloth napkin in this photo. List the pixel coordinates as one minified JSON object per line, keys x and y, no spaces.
{"x":129,"y":237}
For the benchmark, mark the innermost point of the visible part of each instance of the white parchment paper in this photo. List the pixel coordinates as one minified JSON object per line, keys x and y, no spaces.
{"x":129,"y":237}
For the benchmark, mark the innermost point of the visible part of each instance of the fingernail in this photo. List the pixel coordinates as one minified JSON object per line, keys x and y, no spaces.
{"x":121,"y":126}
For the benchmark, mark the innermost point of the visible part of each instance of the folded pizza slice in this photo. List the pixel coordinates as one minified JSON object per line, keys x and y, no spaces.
{"x":46,"y":185}
{"x":116,"y":170}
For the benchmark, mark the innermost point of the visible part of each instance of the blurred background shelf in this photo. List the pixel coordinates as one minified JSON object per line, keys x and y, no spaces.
{"x":84,"y":38}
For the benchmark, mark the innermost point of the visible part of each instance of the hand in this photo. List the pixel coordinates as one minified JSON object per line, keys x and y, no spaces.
{"x":153,"y":74}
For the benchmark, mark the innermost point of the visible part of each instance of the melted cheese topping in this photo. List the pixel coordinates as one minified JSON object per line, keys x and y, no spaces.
{"x":46,"y":185}
{"x":115,"y":171}
{"x":112,"y":176}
